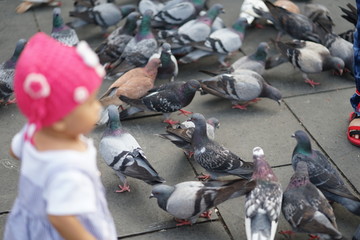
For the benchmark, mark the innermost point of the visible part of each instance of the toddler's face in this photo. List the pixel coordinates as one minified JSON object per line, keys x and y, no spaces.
{"x":83,"y":119}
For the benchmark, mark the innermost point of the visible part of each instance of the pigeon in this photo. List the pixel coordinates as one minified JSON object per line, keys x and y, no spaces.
{"x":169,"y":66}
{"x":122,"y":152}
{"x":198,"y":29}
{"x":62,"y":32}
{"x":254,"y":62}
{"x":181,"y":134}
{"x":133,"y":84}
{"x":322,"y":174}
{"x":139,"y":49}
{"x":222,"y":42}
{"x":306,"y":208}
{"x":319,"y":14}
{"x":310,"y":57}
{"x":111,"y":49}
{"x":7,"y":71}
{"x":186,"y":201}
{"x":351,"y":16}
{"x":296,"y":25}
{"x":176,"y":14}
{"x":216,"y":159}
{"x":154,"y":5}
{"x":167,"y":98}
{"x":27,"y":4}
{"x":241,"y":87}
{"x":104,"y":15}
{"x":263,"y":203}
{"x":247,"y":9}
{"x":288,"y":5}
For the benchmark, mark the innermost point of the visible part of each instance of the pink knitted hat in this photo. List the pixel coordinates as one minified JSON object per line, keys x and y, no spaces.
{"x":51,"y":79}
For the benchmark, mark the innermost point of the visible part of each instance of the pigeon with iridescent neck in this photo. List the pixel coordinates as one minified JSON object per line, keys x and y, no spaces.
{"x":187,"y":201}
{"x":222,"y":43}
{"x":62,"y":32}
{"x":122,"y":152}
{"x":322,"y":174}
{"x":111,"y":49}
{"x":263,"y":203}
{"x":139,"y":49}
{"x":306,"y":208}
{"x":214,"y":158}
{"x":104,"y":15}
{"x":169,"y":67}
{"x":7,"y":71}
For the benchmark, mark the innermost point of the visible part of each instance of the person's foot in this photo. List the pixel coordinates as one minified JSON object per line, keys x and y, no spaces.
{"x":355,"y":122}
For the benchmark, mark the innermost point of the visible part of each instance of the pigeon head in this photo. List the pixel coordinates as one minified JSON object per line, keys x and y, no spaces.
{"x":18,"y":49}
{"x":214,"y":122}
{"x":200,"y":134}
{"x":212,"y":13}
{"x":162,"y":192}
{"x":57,"y":19}
{"x":262,"y":169}
{"x":114,"y":118}
{"x":301,"y":176}
{"x":192,"y":85}
{"x":240,"y":24}
{"x":145,"y":26}
{"x":262,"y":51}
{"x":127,"y":9}
{"x":166,"y":47}
{"x":130,"y":24}
{"x":303,"y":142}
{"x":272,"y":93}
{"x":336,"y":64}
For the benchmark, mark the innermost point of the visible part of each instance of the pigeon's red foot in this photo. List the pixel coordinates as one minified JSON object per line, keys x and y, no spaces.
{"x":12,"y":101}
{"x":286,"y":232}
{"x":203,"y":177}
{"x":311,"y":82}
{"x":125,"y":188}
{"x":259,"y":26}
{"x":312,"y":237}
{"x":171,"y":122}
{"x":184,"y":112}
{"x":206,"y":214}
{"x":239,"y":106}
{"x":190,"y":154}
{"x":182,"y":222}
{"x":256,"y":100}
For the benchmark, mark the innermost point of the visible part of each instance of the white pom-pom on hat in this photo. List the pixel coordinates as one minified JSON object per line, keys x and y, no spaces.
{"x":37,"y":86}
{"x":81,"y":94}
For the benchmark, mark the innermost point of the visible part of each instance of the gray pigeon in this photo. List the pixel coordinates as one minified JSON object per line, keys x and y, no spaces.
{"x":139,"y":49}
{"x":310,"y":57}
{"x":216,"y":159}
{"x":198,"y":29}
{"x":322,"y":174}
{"x":306,"y":208}
{"x":222,"y":42}
{"x":357,"y":234}
{"x":62,"y":32}
{"x":296,"y":25}
{"x":122,"y":152}
{"x":104,"y":15}
{"x":255,"y":62}
{"x":263,"y":203}
{"x":241,"y":87}
{"x":169,"y":68}
{"x":154,"y":5}
{"x":181,"y":134}
{"x":167,"y":98}
{"x":111,"y":49}
{"x":7,"y":71}
{"x":186,"y":201}
{"x":177,"y":13}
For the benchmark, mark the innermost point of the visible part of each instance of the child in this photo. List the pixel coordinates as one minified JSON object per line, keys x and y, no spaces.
{"x":60,"y":195}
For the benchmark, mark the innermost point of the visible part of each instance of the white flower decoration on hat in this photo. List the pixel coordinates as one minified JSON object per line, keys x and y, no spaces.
{"x":90,"y":58}
{"x":37,"y":86}
{"x":81,"y":94}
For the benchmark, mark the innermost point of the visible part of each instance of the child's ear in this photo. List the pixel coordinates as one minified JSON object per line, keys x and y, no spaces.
{"x":59,"y":126}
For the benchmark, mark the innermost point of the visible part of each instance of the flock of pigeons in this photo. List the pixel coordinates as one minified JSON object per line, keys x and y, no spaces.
{"x":159,"y":34}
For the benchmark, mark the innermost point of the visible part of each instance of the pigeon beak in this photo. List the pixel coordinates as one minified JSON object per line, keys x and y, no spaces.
{"x":151,"y":196}
{"x":222,"y":11}
{"x":293,"y":135}
{"x":341,"y":72}
{"x":279,"y":102}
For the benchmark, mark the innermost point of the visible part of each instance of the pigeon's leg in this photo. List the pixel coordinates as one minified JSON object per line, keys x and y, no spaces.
{"x":278,"y":36}
{"x":171,"y":122}
{"x":240,"y":106}
{"x":287,"y":233}
{"x":312,"y":237}
{"x":182,"y":222}
{"x":54,"y":3}
{"x":184,"y":112}
{"x":309,"y":81}
{"x":125,"y":188}
{"x":11,"y":101}
{"x":223,"y":62}
{"x":256,"y":100}
{"x":203,"y":176}
{"x":206,"y":214}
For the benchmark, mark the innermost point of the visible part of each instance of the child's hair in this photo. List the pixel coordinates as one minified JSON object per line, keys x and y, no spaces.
{"x":51,"y":79}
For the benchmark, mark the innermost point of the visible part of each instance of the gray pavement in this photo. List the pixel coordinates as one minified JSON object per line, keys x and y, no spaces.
{"x":321,"y":111}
